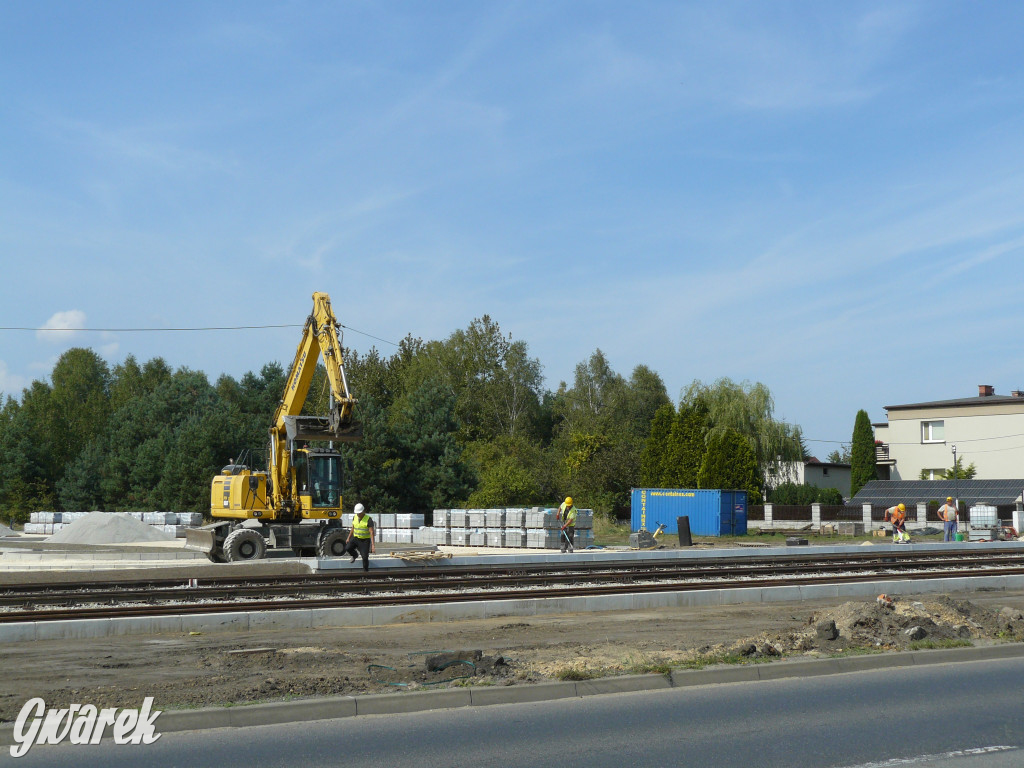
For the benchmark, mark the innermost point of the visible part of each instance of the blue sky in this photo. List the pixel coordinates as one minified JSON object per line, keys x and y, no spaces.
{"x":825,"y":197}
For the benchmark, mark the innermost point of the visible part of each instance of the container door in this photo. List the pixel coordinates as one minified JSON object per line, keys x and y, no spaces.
{"x":739,"y":513}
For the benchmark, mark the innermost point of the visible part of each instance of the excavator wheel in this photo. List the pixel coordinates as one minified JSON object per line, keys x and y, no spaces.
{"x":244,"y":544}
{"x":332,"y":543}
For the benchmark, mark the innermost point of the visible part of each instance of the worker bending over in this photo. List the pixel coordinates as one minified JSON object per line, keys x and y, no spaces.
{"x":567,"y":517}
{"x":947,"y":514}
{"x":360,"y":538}
{"x":898,"y":516}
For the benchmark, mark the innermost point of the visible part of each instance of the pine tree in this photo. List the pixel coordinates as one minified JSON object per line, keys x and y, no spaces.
{"x":862,"y":453}
{"x":730,"y":463}
{"x":653,"y":461}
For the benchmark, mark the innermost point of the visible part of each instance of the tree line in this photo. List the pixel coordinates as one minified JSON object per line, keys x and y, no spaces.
{"x":463,"y":421}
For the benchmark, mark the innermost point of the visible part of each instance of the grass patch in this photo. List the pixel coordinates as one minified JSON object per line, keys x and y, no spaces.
{"x":650,"y":667}
{"x":928,"y":645}
{"x":608,"y":531}
{"x":860,"y":650}
{"x":699,"y":662}
{"x":577,"y":672}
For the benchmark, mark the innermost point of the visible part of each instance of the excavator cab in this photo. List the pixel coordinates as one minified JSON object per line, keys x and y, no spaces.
{"x":319,"y":479}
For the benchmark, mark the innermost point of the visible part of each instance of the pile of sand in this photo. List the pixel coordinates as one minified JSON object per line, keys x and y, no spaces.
{"x":107,"y":528}
{"x":5,"y":531}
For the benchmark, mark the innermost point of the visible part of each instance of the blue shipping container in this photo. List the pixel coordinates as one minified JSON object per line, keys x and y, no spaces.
{"x":711,"y":513}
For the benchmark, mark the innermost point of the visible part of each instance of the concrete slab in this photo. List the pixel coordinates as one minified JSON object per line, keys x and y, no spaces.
{"x":215,"y":622}
{"x":651,"y":600}
{"x":733,"y":674}
{"x":298,"y":619}
{"x":521,"y":694}
{"x":780,"y":594}
{"x":415,"y":701}
{"x":342,"y":617}
{"x":303,"y":711}
{"x":872,"y":661}
{"x":778,"y":670}
{"x":624,"y":684}
{"x":80,"y":629}
{"x":194,"y":719}
{"x":145,"y":625}
{"x":19,"y":632}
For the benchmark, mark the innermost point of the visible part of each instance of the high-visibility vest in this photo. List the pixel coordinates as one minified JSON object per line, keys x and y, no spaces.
{"x":361,"y":528}
{"x":948,"y":512}
{"x":895,"y":515}
{"x":568,"y":515}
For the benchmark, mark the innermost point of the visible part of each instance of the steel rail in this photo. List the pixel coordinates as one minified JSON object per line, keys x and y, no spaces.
{"x":456,"y":579}
{"x":478,"y":594}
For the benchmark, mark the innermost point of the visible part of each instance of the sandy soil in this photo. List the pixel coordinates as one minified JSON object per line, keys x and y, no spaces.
{"x":204,"y":670}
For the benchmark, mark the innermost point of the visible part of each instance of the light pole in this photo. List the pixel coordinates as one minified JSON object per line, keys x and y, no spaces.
{"x":956,"y":496}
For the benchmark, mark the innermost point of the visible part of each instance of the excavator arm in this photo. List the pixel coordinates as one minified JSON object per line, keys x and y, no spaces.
{"x":319,"y":338}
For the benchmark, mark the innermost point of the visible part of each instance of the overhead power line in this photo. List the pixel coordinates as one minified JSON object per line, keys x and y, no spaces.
{"x":198,"y":328}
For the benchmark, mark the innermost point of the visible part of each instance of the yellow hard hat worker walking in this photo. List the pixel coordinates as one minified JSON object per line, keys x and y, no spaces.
{"x":567,"y":517}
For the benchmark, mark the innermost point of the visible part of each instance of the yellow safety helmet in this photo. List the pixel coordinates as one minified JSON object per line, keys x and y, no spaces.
{"x":902,"y":507}
{"x":949,"y":498}
{"x":568,"y":501}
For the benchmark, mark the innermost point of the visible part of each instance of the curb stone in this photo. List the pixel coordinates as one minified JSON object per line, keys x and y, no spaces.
{"x":473,"y":696}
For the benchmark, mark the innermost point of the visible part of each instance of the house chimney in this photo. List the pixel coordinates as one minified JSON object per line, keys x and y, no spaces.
{"x":986,"y":390}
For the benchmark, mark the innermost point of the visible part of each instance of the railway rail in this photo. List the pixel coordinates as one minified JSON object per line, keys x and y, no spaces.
{"x":433,"y":583}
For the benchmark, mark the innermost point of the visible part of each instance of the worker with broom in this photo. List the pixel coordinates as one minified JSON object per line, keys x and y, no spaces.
{"x":898,"y":516}
{"x":567,"y":517}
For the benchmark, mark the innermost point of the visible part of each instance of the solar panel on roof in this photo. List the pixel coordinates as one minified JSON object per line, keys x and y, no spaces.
{"x":890,"y":492}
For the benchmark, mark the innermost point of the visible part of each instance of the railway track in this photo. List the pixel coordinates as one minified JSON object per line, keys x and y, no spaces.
{"x":432,"y":584}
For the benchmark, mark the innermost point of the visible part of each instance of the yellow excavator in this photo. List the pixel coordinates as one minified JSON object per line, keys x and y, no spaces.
{"x":296,"y":503}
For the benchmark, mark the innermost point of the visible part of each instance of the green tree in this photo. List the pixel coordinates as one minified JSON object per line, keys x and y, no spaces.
{"x":750,"y":410}
{"x":654,"y":460}
{"x":840,"y":455}
{"x":687,"y":445}
{"x":730,"y":463}
{"x":961,"y":472}
{"x":862,"y":453}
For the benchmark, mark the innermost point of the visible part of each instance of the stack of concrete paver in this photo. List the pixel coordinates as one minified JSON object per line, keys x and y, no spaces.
{"x":515,"y":527}
{"x":390,"y":528}
{"x":173,"y":523}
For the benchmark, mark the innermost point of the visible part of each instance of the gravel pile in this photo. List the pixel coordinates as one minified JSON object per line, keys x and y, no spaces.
{"x":108,"y":528}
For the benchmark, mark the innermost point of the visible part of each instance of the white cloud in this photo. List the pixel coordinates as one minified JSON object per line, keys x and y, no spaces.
{"x":62,"y":326}
{"x":10,"y":384}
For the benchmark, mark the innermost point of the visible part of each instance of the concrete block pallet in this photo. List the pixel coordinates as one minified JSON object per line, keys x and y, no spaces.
{"x":47,"y":523}
{"x":515,"y":527}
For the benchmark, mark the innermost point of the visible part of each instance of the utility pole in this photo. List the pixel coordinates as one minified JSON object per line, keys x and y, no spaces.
{"x":956,"y":495}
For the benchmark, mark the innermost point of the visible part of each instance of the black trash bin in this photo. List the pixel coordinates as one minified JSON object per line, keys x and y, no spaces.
{"x":683,"y":526}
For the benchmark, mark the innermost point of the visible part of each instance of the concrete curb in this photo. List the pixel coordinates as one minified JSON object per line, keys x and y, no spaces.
{"x":334,"y":707}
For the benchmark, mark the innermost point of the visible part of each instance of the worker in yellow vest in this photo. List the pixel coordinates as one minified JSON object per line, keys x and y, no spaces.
{"x":567,"y":517}
{"x":898,"y":516}
{"x":947,"y":514}
{"x":360,"y":538}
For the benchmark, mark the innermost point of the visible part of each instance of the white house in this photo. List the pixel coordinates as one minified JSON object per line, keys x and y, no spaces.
{"x":823,"y":474}
{"x":987,"y":430}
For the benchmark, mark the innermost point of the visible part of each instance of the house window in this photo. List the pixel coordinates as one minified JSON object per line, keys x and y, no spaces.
{"x":933,"y":432}
{"x":933,"y":474}
{"x":824,"y":471}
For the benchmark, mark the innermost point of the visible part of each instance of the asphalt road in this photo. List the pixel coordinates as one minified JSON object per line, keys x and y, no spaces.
{"x":967,"y":715}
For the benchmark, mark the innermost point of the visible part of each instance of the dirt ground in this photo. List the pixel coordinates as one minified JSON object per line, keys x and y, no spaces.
{"x":183,"y":671}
